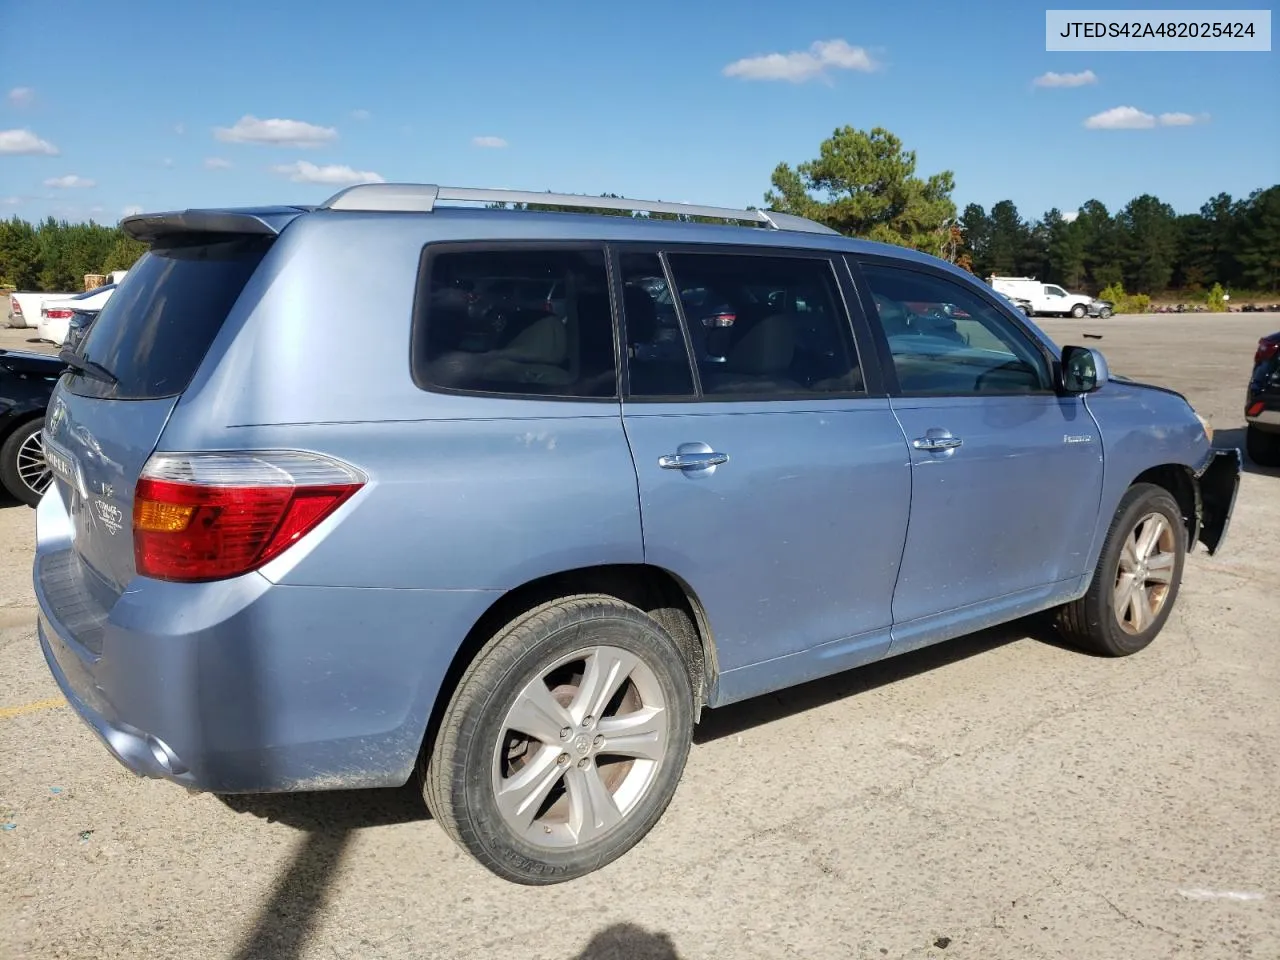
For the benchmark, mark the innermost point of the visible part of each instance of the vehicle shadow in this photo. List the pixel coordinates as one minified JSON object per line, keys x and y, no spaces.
{"x":1235,"y":437}
{"x":329,"y":810}
{"x":626,"y":941}
{"x":759,"y":711}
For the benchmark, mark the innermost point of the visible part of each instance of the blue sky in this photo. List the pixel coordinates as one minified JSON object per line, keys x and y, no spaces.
{"x":157,"y":105}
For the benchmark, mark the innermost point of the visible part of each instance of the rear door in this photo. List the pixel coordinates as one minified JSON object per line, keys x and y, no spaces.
{"x":1006,"y":473}
{"x":139,"y":357}
{"x":773,"y":479}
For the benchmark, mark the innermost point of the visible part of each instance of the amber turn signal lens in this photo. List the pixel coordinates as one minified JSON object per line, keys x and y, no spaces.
{"x":162,"y":517}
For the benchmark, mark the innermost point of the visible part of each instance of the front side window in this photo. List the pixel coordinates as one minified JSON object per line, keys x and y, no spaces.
{"x":765,"y":325}
{"x":1055,"y":291}
{"x":946,"y":340}
{"x":515,"y":321}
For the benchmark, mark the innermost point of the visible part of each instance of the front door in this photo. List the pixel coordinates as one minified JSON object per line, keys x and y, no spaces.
{"x":1006,"y":472}
{"x":769,"y":480}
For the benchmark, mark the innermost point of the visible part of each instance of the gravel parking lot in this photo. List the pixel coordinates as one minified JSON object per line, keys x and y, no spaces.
{"x":1000,"y":796}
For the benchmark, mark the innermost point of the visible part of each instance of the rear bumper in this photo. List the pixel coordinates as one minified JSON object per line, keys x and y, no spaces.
{"x":244,"y":686}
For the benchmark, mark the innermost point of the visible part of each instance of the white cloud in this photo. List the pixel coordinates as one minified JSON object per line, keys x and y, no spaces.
{"x":494,"y":142}
{"x":801,"y":65}
{"x":1182,"y":119}
{"x":25,"y":142}
{"x":216,"y":163}
{"x":179,"y":128}
{"x":1051,"y":79}
{"x":1131,"y":118}
{"x":1070,"y":215}
{"x":281,"y":133}
{"x":69,"y":182}
{"x":21,"y":96}
{"x":360,"y":114}
{"x":1121,"y":118}
{"x":303,"y":171}
{"x":132,"y":210}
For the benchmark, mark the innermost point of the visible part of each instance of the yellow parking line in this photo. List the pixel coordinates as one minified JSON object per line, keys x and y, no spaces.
{"x":8,"y":713}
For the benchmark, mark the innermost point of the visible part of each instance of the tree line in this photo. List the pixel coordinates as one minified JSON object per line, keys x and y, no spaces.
{"x":864,"y":183}
{"x":55,"y":255}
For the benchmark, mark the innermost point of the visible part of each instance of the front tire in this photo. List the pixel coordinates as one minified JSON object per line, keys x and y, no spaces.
{"x":1104,"y":313}
{"x":564,"y":741}
{"x":24,"y":472}
{"x":1262,"y":446}
{"x":1078,"y":311}
{"x":1135,"y":583}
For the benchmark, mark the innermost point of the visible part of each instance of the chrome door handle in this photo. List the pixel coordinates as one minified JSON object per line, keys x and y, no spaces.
{"x":692,"y":461}
{"x":936,"y":443}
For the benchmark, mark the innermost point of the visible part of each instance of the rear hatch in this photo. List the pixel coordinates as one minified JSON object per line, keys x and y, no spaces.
{"x":109,"y":410}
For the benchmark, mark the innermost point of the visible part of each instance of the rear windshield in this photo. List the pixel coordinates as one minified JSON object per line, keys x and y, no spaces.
{"x":158,"y":325}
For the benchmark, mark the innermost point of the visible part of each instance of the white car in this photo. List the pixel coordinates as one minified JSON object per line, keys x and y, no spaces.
{"x":55,"y":315}
{"x":24,"y":308}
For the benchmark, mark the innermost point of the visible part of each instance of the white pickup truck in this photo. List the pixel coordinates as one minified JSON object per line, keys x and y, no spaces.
{"x":1045,"y":298}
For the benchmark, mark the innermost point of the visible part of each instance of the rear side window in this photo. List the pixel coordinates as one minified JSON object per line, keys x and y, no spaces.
{"x":525,"y":322}
{"x":157,"y":326}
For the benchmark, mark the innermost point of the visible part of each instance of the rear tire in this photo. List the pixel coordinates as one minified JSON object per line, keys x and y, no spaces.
{"x":23,"y":470}
{"x":1262,"y":446}
{"x":1135,"y":583}
{"x":513,"y":775}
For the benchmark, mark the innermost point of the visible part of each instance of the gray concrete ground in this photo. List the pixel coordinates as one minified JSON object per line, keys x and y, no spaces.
{"x":996,"y":797}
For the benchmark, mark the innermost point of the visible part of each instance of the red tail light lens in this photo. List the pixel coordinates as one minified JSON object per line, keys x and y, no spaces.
{"x":1256,"y":409}
{"x":1267,"y":349}
{"x":211,"y":516}
{"x":57,"y":314}
{"x":720,"y":320}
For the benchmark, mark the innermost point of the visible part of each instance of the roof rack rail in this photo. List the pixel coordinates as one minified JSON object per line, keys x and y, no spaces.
{"x":423,"y":197}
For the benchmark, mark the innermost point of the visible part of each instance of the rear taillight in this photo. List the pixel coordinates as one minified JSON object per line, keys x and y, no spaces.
{"x":208,"y":516}
{"x":56,"y":314}
{"x":1256,"y":409}
{"x":720,"y":320}
{"x":1267,"y":350}
{"x":17,"y":307}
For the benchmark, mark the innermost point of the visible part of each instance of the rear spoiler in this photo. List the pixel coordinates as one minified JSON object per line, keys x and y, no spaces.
{"x":263,"y":221}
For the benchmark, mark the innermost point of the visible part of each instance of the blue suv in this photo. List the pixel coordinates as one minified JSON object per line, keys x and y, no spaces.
{"x":503,"y":511}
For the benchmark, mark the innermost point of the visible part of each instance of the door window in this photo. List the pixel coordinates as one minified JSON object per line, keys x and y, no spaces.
{"x":657,"y":356}
{"x":947,"y":340}
{"x":765,"y":326}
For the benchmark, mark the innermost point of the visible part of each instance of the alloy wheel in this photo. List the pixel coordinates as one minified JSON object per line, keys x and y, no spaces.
{"x":33,"y":469}
{"x":1147,"y":562}
{"x":580,"y":747}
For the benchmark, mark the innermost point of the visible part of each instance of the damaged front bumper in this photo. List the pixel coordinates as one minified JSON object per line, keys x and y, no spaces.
{"x":1217,"y":481}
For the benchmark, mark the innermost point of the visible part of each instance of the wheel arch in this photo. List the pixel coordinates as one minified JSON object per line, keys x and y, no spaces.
{"x":659,"y":592}
{"x":1181,"y":483}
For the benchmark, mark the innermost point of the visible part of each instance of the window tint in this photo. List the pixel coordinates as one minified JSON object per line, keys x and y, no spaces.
{"x":657,"y":358}
{"x":534,"y":322}
{"x":157,"y":326}
{"x":766,"y":325}
{"x":946,"y":339}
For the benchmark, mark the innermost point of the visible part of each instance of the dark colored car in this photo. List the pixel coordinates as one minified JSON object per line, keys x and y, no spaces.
{"x":81,"y":320}
{"x":1101,"y":309}
{"x":1262,"y":408}
{"x":26,"y":383}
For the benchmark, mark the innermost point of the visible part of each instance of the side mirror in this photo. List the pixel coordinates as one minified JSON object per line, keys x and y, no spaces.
{"x":1083,"y":370}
